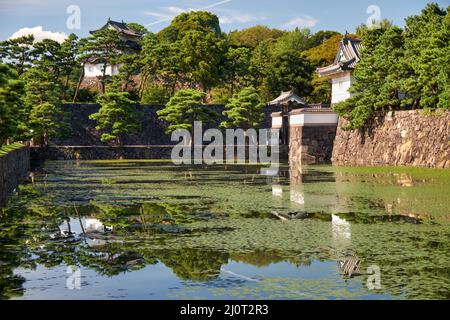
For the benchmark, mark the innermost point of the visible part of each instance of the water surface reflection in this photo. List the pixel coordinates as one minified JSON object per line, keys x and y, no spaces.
{"x":146,"y":230}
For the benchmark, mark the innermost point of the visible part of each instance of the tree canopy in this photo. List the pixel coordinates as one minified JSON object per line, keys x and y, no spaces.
{"x":245,"y":110}
{"x":186,"y":107}
{"x":192,"y":59}
{"x":11,"y":89}
{"x":115,"y":117}
{"x":401,"y":68}
{"x":251,"y":37}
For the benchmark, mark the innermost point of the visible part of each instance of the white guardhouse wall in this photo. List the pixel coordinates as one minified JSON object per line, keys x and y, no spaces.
{"x":95,"y":70}
{"x":313,"y":119}
{"x":340,"y":88}
{"x":277,"y":122}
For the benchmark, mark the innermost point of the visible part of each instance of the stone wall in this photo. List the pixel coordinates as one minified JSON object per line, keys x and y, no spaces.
{"x":14,"y":168}
{"x":402,"y":138}
{"x":311,"y":144}
{"x":39,"y":155}
{"x":82,"y":130}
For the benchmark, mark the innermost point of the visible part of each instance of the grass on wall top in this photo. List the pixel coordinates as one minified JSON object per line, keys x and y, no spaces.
{"x":4,"y":150}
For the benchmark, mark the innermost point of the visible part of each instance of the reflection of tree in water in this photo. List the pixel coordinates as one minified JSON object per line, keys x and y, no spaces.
{"x":12,"y":255}
{"x":413,"y":258}
{"x":147,"y":216}
{"x":194,"y":264}
{"x":258,"y":258}
{"x":111,"y":259}
{"x":17,"y":234}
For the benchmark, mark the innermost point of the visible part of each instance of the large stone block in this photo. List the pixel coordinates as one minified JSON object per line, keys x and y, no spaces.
{"x":408,"y":138}
{"x":13,"y":168}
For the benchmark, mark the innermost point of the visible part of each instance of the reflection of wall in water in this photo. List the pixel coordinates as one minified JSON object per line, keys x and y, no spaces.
{"x":303,"y":197}
{"x":95,"y":225}
{"x":389,"y":193}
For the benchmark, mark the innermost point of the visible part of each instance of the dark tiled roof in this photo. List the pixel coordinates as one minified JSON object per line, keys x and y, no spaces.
{"x":121,"y":27}
{"x":286,"y":97}
{"x":347,"y":57}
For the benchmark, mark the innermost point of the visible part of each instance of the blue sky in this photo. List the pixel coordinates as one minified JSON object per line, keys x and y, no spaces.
{"x":234,"y":14}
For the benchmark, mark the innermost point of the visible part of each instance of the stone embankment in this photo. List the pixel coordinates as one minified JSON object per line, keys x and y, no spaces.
{"x":14,"y":167}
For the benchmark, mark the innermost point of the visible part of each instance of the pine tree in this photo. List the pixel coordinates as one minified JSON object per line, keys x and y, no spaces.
{"x":237,"y":64}
{"x":444,"y":61}
{"x":11,"y":89}
{"x":201,"y":58}
{"x":106,"y":47}
{"x":45,"y":121}
{"x":116,"y":116}
{"x":42,"y":117}
{"x":186,"y":107}
{"x":18,"y":53}
{"x":377,"y":77}
{"x":245,"y":110}
{"x":426,"y":54}
{"x":288,"y":70}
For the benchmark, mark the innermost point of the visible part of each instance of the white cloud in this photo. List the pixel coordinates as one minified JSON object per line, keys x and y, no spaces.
{"x":39,"y":34}
{"x":167,"y":13}
{"x":226,"y":16}
{"x":231,"y":16}
{"x":302,"y":22}
{"x":225,"y":20}
{"x":177,"y":10}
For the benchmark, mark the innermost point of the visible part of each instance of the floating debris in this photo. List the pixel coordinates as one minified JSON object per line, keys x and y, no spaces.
{"x":291,"y":216}
{"x":350,"y":267}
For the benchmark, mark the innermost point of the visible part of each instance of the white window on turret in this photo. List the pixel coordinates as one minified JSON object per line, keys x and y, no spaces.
{"x":341,"y":56}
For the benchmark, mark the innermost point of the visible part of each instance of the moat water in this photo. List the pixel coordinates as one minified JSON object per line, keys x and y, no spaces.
{"x":153,"y":230}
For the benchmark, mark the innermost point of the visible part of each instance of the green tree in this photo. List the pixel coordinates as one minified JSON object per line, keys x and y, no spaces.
{"x":130,"y":68}
{"x":58,"y":60}
{"x":11,"y":89}
{"x":201,"y":58}
{"x":161,"y":63}
{"x":220,"y":95}
{"x":288,"y":70}
{"x":320,"y":37}
{"x":260,"y":68}
{"x":296,"y":40}
{"x":325,"y":53}
{"x":363,"y":29}
{"x":201,"y":21}
{"x":444,"y":61}
{"x":321,"y":56}
{"x":41,"y":116}
{"x":18,"y":53}
{"x":69,"y":66}
{"x":136,"y":27}
{"x":45,"y":121}
{"x":186,"y":107}
{"x":47,"y":57}
{"x":252,"y":37}
{"x":40,"y":87}
{"x":83,"y":56}
{"x":106,"y":47}
{"x":116,"y":116}
{"x":131,"y":64}
{"x":376,"y":78}
{"x":236,"y":68}
{"x":401,"y":69}
{"x":155,"y":93}
{"x":245,"y":110}
{"x":426,"y":47}
{"x":190,"y":51}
